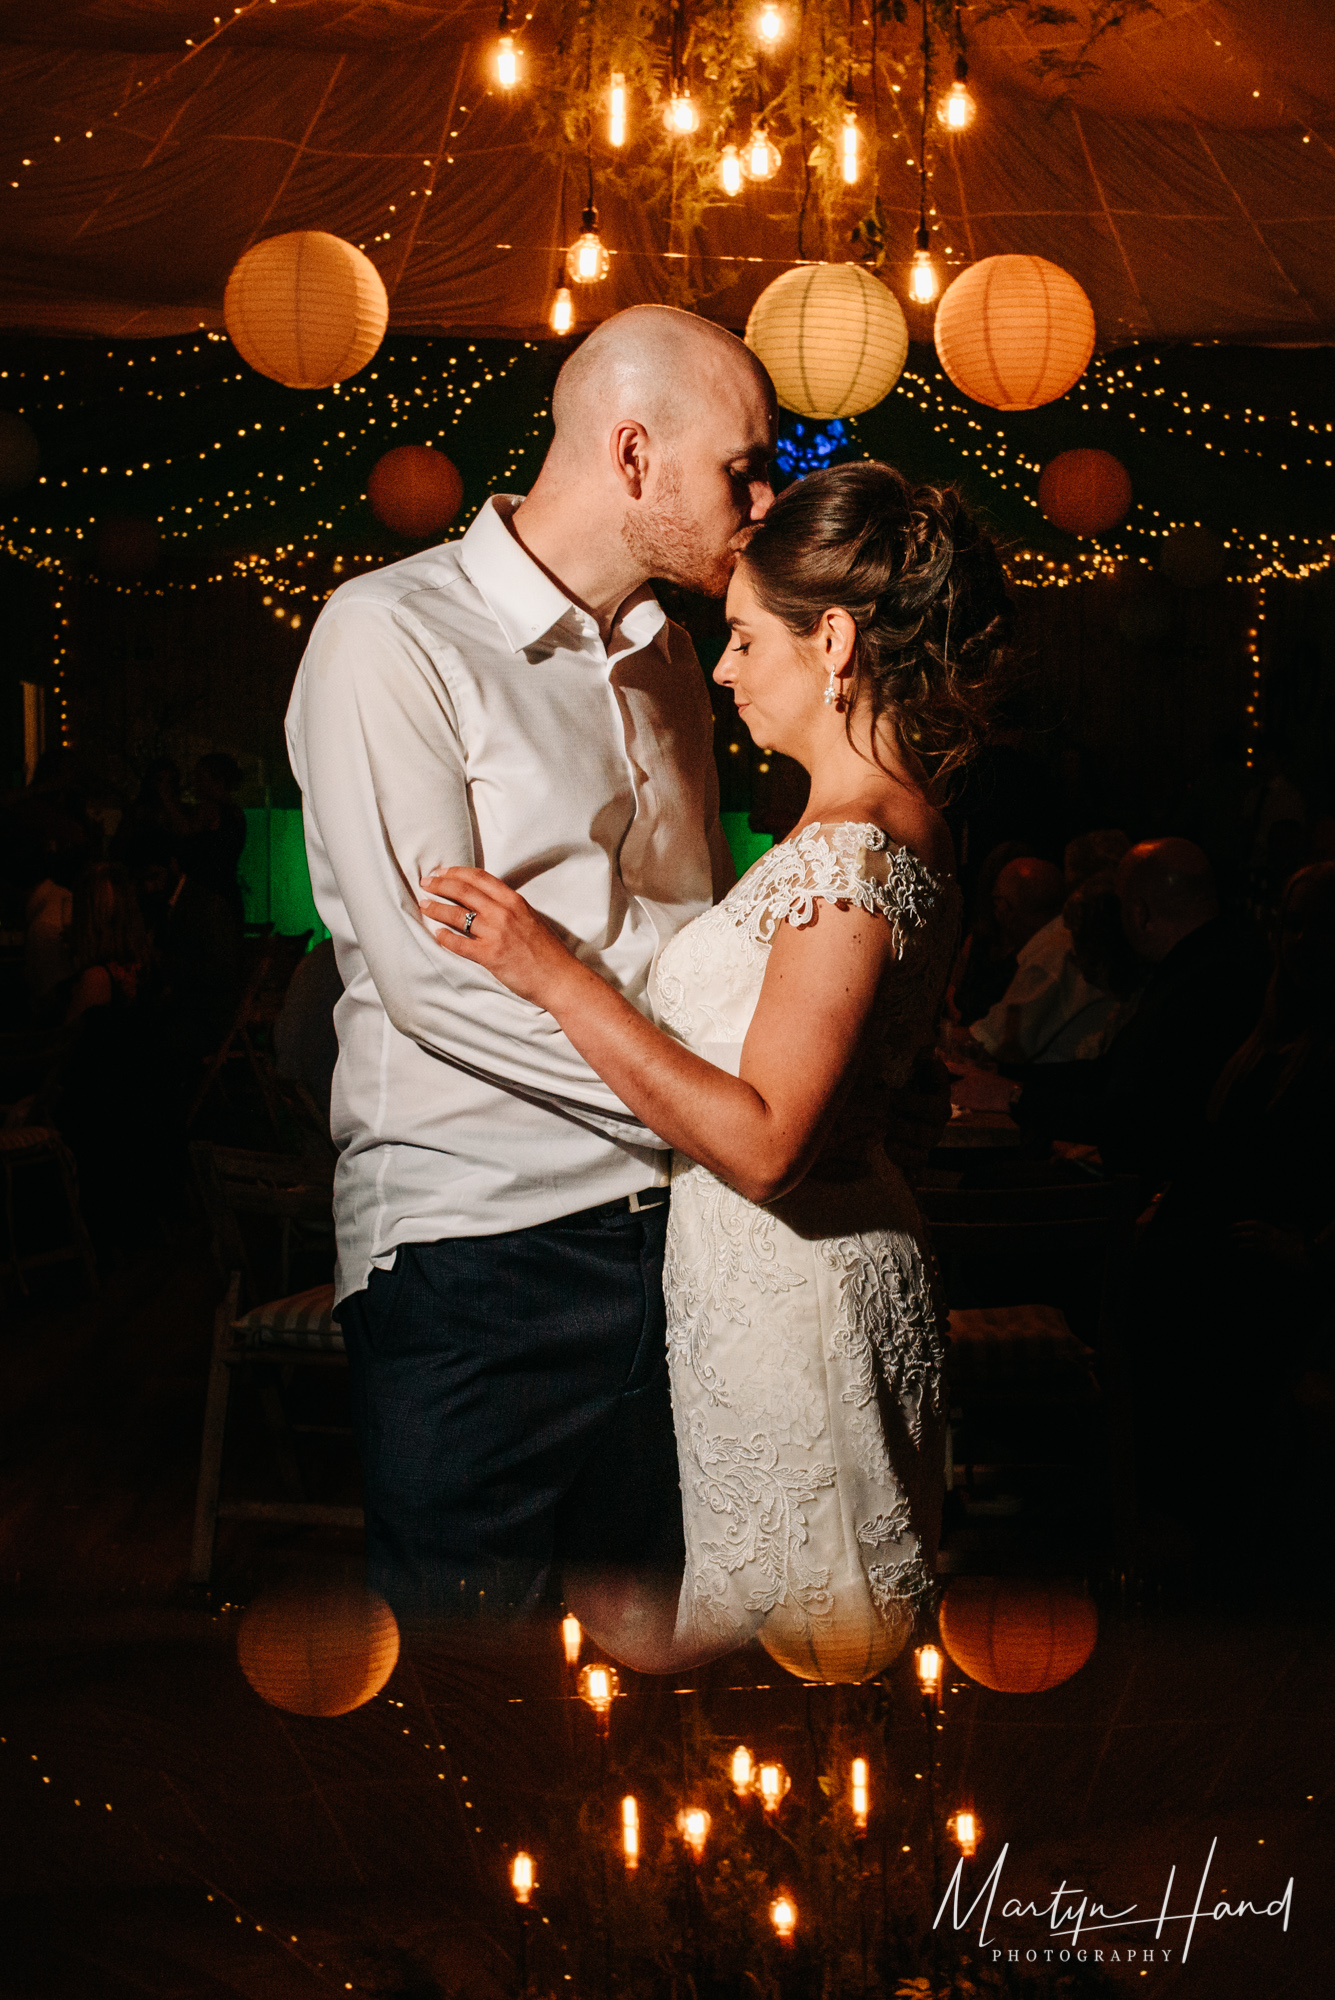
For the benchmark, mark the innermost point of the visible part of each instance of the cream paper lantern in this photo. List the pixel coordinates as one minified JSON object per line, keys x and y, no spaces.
{"x":832,"y":337}
{"x":1014,"y":332}
{"x":306,"y":309}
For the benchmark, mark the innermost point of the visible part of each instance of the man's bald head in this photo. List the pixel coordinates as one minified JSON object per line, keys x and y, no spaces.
{"x":1167,"y":890}
{"x":661,"y":367}
{"x":1027,"y":894}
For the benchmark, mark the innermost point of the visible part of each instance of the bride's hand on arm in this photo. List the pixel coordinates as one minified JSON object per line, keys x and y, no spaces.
{"x":507,"y":936}
{"x":760,"y":1130}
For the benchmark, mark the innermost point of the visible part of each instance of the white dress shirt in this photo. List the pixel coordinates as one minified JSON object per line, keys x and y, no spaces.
{"x":456,"y":709}
{"x":1049,"y":1012}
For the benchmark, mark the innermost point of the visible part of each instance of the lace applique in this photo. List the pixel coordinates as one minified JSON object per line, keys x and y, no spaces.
{"x":755,"y":1503}
{"x":886,"y":1527}
{"x":908,"y":1581}
{"x":740,"y":1271}
{"x":830,"y":864}
{"x":886,"y":1333}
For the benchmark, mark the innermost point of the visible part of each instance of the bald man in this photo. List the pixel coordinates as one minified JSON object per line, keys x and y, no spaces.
{"x":517,"y":700}
{"x":1199,"y":1004}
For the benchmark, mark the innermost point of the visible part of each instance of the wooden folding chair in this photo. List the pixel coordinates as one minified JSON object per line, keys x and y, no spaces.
{"x":295,"y":1329}
{"x":273,"y":959}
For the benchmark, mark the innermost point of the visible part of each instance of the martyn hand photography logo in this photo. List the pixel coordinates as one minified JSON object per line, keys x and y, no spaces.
{"x":1080,"y":1927}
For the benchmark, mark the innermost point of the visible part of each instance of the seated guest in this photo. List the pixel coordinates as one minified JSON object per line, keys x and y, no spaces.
{"x":47,"y":963}
{"x":198,"y":942}
{"x":1050,"y":1012}
{"x":304,"y":1039}
{"x":986,"y":962}
{"x":111,"y":1099}
{"x":212,"y":846}
{"x":1200,"y":997}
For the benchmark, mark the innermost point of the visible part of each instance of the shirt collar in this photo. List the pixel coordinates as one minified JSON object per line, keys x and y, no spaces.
{"x":521,"y":597}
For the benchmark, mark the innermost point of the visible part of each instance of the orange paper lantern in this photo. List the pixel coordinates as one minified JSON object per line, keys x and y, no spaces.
{"x":318,"y":1650}
{"x":1014,"y":332}
{"x":415,"y":491}
{"x":1085,"y":492}
{"x":1018,"y":1637}
{"x":305,"y":309}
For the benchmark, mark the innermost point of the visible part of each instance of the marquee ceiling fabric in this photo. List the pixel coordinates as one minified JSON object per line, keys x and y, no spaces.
{"x":1189,"y":183}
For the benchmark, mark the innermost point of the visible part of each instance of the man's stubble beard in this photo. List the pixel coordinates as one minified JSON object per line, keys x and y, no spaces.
{"x":667,"y":543}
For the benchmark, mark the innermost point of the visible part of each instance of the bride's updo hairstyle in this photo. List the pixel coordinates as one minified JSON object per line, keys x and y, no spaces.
{"x":923,"y":583}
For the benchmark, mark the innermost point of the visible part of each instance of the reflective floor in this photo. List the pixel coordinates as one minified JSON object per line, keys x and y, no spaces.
{"x":1145,"y":1784}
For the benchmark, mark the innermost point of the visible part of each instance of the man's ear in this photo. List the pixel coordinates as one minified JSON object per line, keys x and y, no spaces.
{"x":628,"y":446}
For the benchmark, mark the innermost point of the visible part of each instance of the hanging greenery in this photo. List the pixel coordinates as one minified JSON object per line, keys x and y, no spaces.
{"x":793,"y":70}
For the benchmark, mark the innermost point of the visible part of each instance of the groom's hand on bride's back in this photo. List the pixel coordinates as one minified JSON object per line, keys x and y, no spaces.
{"x":917,"y":1114}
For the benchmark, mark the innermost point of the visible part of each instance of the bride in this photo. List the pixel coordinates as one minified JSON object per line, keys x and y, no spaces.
{"x":805,"y":1350}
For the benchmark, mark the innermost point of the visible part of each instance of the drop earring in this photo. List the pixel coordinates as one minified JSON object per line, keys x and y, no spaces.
{"x":832,"y":690}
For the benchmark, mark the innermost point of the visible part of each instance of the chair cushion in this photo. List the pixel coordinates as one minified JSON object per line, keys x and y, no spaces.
{"x":28,"y":1139}
{"x":304,"y":1320}
{"x":1018,"y":1354}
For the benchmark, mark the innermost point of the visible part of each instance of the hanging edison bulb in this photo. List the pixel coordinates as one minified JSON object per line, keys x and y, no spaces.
{"x":562,"y":319}
{"x":730,"y":171}
{"x":783,"y":1916}
{"x":850,"y":148}
{"x":693,"y":1824}
{"x":742,"y":1770}
{"x":616,"y":113}
{"x":572,"y":1633}
{"x":955,"y":108}
{"x":761,"y":158}
{"x":681,"y":115}
{"x":966,"y":1831}
{"x":630,"y":1833}
{"x":587,"y":261}
{"x":523,"y":1878}
{"x":769,"y":27}
{"x":923,"y":281}
{"x":861,"y":1790}
{"x":507,"y":55}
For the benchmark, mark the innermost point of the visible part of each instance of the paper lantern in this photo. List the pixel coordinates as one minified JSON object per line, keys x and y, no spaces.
{"x":1192,"y":558}
{"x":852,"y":1645}
{"x":125,"y":546}
{"x":1018,"y":1637}
{"x":20,"y":454}
{"x":318,"y":1650}
{"x":306,"y":309}
{"x":415,"y":491}
{"x":1085,"y":492}
{"x":832,"y":337}
{"x":1014,"y":332}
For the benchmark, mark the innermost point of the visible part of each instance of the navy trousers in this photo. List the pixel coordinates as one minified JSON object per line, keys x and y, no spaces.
{"x":510,"y":1397}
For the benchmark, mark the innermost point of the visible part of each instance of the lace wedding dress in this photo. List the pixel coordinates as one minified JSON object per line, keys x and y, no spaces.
{"x":804,"y":1346}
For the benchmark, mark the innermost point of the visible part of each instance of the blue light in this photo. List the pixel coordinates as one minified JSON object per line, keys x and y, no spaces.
{"x":805,"y":447}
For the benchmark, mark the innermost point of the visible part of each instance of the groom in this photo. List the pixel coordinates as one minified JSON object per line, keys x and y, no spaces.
{"x":517,"y":700}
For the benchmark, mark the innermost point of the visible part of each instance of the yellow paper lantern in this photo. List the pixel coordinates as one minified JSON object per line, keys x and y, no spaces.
{"x":415,"y":491}
{"x":1014,"y":332}
{"x":852,"y":1645}
{"x":832,"y":337}
{"x":306,"y":309}
{"x":318,"y":1650}
{"x":1018,"y":1636}
{"x":1085,"y":492}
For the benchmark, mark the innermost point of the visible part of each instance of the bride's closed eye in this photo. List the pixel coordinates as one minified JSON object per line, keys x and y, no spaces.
{"x":740,"y":646}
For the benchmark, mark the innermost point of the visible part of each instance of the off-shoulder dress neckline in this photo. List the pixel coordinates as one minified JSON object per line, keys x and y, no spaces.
{"x":883,"y":844}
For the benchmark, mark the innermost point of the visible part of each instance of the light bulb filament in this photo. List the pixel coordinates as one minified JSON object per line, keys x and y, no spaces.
{"x":507,"y":62}
{"x":616,"y":121}
{"x":851,"y":148}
